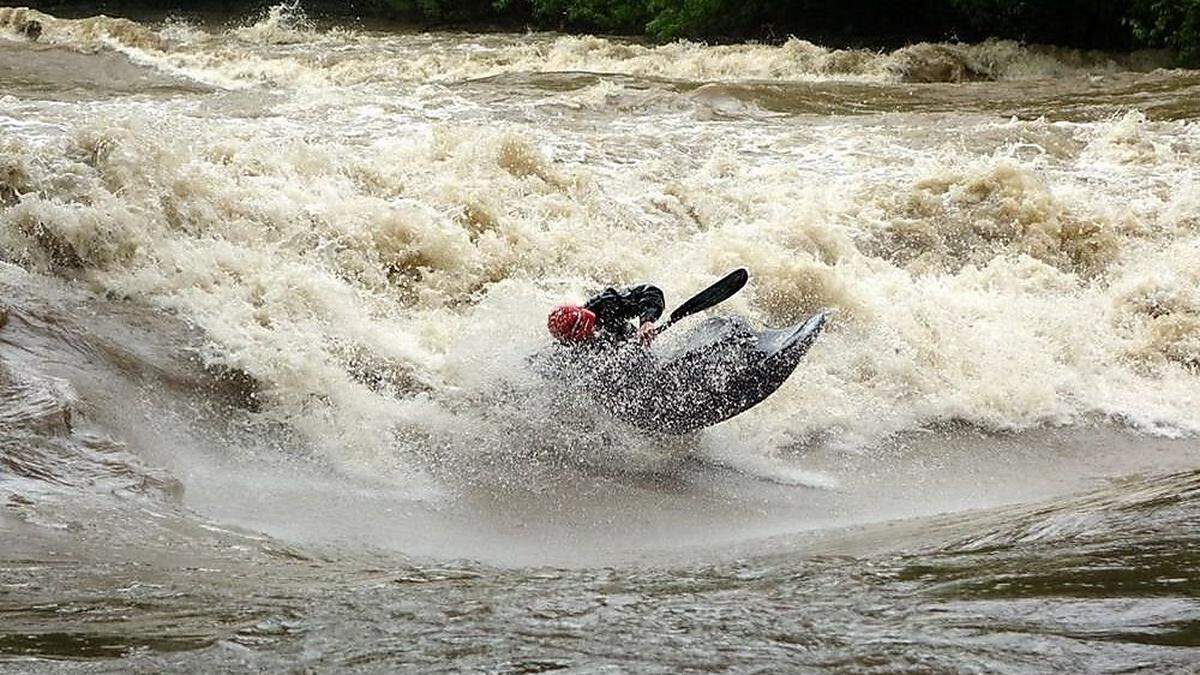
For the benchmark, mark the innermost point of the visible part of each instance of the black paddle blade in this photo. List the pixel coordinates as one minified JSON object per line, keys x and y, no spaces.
{"x":717,"y":293}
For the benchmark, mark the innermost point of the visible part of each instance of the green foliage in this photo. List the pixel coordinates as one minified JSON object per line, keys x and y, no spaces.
{"x":1082,"y":23}
{"x":621,"y":16}
{"x":1110,"y":24}
{"x":443,"y":10}
{"x":1168,"y":23}
{"x":690,"y":18}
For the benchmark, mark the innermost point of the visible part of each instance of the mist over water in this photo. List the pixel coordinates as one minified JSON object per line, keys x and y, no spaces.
{"x":268,"y":289}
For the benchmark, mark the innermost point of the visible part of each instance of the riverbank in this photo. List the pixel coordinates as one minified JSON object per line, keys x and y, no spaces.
{"x":1109,"y":24}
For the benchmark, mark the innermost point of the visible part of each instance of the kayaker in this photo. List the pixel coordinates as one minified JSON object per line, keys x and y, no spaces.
{"x":614,"y":316}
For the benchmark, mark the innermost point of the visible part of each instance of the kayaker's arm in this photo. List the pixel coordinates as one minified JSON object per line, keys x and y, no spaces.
{"x":649,"y":300}
{"x":614,"y":308}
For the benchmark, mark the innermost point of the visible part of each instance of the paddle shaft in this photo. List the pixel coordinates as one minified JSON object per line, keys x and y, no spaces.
{"x":715,"y":294}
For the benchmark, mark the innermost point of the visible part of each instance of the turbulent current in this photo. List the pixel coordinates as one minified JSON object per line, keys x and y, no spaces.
{"x":268,"y":291}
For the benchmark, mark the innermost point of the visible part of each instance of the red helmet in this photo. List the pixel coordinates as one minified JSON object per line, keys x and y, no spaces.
{"x":571,"y":323}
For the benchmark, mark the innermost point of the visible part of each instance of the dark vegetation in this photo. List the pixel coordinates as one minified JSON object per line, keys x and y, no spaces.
{"x":1103,"y":24}
{"x":1098,"y":24}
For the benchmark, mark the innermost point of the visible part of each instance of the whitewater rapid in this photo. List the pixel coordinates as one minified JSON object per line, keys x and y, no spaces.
{"x":350,"y":257}
{"x":362,"y":231}
{"x":269,"y":285}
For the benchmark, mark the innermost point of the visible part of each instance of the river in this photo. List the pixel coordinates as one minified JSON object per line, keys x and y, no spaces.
{"x":268,"y":288}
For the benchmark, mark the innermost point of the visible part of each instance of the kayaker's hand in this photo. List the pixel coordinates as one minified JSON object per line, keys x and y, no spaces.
{"x":646,"y":332}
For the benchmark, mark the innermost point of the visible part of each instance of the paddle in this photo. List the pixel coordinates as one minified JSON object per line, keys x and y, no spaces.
{"x":713,"y":295}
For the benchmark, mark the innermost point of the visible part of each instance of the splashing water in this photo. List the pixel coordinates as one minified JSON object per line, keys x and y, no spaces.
{"x":273,"y":277}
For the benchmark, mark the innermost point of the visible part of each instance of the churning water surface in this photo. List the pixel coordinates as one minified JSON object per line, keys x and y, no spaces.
{"x":267,"y":292}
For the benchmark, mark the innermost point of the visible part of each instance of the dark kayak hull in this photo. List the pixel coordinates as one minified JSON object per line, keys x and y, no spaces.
{"x":722,"y":369}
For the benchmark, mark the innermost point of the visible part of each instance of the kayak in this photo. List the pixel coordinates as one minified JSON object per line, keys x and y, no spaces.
{"x":720,"y":368}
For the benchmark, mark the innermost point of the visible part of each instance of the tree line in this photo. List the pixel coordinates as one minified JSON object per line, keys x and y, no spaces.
{"x":1100,"y":24}
{"x":1089,"y":24}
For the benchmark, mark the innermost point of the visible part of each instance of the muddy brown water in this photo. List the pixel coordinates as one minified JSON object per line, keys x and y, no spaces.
{"x":269,"y":288}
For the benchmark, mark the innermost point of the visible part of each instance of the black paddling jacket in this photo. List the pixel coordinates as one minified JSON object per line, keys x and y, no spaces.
{"x":615,"y":309}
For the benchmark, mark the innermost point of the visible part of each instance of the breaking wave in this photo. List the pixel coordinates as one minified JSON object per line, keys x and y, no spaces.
{"x":260,"y":52}
{"x":362,"y":288}
{"x":376,"y":265}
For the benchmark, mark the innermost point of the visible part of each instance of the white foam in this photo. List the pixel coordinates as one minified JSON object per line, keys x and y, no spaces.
{"x":383,"y":267}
